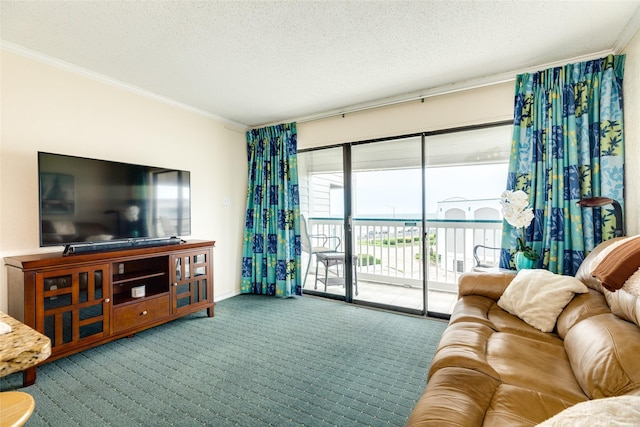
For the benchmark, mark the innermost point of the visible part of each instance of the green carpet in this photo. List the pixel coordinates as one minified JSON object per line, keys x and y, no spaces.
{"x":260,"y":361}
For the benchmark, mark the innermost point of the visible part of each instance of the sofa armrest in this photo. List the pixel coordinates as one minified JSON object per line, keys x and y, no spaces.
{"x":490,"y":285}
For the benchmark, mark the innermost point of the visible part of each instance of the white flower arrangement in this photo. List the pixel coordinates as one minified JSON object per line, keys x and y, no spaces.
{"x":516,"y":210}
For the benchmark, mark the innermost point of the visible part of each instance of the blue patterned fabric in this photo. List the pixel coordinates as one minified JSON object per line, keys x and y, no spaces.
{"x":272,"y":247}
{"x":568,"y":144}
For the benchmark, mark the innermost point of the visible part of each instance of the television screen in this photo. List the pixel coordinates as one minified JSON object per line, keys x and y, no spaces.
{"x":85,"y":201}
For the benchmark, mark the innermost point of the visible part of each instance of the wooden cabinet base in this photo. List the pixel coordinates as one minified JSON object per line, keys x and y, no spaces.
{"x":84,"y":300}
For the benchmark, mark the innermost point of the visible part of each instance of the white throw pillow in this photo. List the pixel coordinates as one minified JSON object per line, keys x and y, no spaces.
{"x":538,"y":297}
{"x":611,"y":411}
{"x":632,"y":285}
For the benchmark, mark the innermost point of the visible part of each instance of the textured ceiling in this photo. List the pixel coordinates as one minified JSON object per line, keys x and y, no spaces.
{"x":257,"y":62}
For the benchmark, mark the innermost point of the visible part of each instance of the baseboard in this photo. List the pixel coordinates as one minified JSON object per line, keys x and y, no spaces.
{"x":226,"y":295}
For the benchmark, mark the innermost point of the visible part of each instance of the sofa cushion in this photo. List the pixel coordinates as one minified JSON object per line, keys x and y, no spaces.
{"x":603,"y":351}
{"x":506,"y":322}
{"x":517,"y":406}
{"x":455,"y":396}
{"x":581,"y":307}
{"x":533,"y":365}
{"x":538,"y":297}
{"x":483,"y":310}
{"x":464,"y":344}
{"x":490,"y":285}
{"x":511,"y":358}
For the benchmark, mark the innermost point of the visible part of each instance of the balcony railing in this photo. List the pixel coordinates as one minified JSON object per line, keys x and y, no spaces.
{"x":390,"y":250}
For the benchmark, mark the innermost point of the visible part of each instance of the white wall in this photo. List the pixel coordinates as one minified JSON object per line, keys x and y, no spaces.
{"x":46,"y":108}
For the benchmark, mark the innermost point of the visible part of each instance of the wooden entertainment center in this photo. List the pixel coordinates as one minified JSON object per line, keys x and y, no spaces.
{"x":84,"y":300}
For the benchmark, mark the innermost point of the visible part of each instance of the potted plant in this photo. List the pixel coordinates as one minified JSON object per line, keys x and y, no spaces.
{"x":517,"y":212}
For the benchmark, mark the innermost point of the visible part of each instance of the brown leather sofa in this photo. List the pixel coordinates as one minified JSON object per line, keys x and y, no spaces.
{"x":493,"y":369}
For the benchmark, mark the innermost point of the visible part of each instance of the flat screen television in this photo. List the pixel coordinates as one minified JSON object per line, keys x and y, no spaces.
{"x":89,"y":202}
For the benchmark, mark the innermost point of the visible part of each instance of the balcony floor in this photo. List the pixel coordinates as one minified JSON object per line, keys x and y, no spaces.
{"x":393,"y":295}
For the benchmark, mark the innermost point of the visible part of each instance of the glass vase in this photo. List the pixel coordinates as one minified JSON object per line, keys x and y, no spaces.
{"x":522,"y":262}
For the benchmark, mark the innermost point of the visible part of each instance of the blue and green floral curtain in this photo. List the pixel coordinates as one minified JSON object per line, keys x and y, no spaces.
{"x":271,"y":249}
{"x":568,"y":144}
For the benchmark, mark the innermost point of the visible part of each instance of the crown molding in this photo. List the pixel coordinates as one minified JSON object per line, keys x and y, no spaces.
{"x":67,"y":66}
{"x":628,"y":32}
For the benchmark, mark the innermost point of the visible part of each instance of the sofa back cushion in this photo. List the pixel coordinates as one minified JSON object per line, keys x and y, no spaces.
{"x":603,"y":351}
{"x":581,"y":307}
{"x":584,"y":272}
{"x":622,"y":303}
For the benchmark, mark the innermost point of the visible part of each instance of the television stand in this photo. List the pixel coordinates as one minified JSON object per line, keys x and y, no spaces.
{"x":89,"y":247}
{"x":83,"y":300}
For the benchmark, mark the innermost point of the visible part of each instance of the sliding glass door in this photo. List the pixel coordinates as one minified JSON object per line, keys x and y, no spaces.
{"x":400,"y":220}
{"x":321,"y":183}
{"x":387,"y":222}
{"x":464,"y":174}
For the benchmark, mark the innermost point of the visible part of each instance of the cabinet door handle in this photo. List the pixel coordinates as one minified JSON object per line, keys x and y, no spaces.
{"x":107,"y":299}
{"x":144,"y":313}
{"x":175,"y":283}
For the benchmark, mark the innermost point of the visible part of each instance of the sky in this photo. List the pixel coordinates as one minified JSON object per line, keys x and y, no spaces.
{"x":398,"y":191}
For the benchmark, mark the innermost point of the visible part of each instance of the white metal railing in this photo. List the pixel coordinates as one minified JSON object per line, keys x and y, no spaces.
{"x":390,"y":250}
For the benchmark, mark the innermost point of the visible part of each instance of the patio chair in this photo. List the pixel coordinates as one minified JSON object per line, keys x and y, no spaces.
{"x":480,"y":265}
{"x":324,"y":243}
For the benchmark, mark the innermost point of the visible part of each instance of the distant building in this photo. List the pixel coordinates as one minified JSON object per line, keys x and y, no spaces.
{"x":458,"y":246}
{"x":469,"y":209}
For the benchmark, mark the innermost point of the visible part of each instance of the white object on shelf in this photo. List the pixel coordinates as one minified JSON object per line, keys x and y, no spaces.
{"x":138,"y":291}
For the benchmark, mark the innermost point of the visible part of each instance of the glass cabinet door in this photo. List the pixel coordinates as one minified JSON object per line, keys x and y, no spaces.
{"x":76,"y":305}
{"x":191,"y":280}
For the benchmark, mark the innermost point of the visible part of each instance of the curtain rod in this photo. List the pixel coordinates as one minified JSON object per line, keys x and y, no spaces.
{"x":436,"y":91}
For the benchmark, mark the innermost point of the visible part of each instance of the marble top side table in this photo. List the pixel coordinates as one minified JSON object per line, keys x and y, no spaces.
{"x":21,"y":348}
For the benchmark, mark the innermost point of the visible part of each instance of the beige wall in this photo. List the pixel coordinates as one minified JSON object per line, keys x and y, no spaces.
{"x":632,"y":135}
{"x":46,"y":108}
{"x":478,"y":106}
